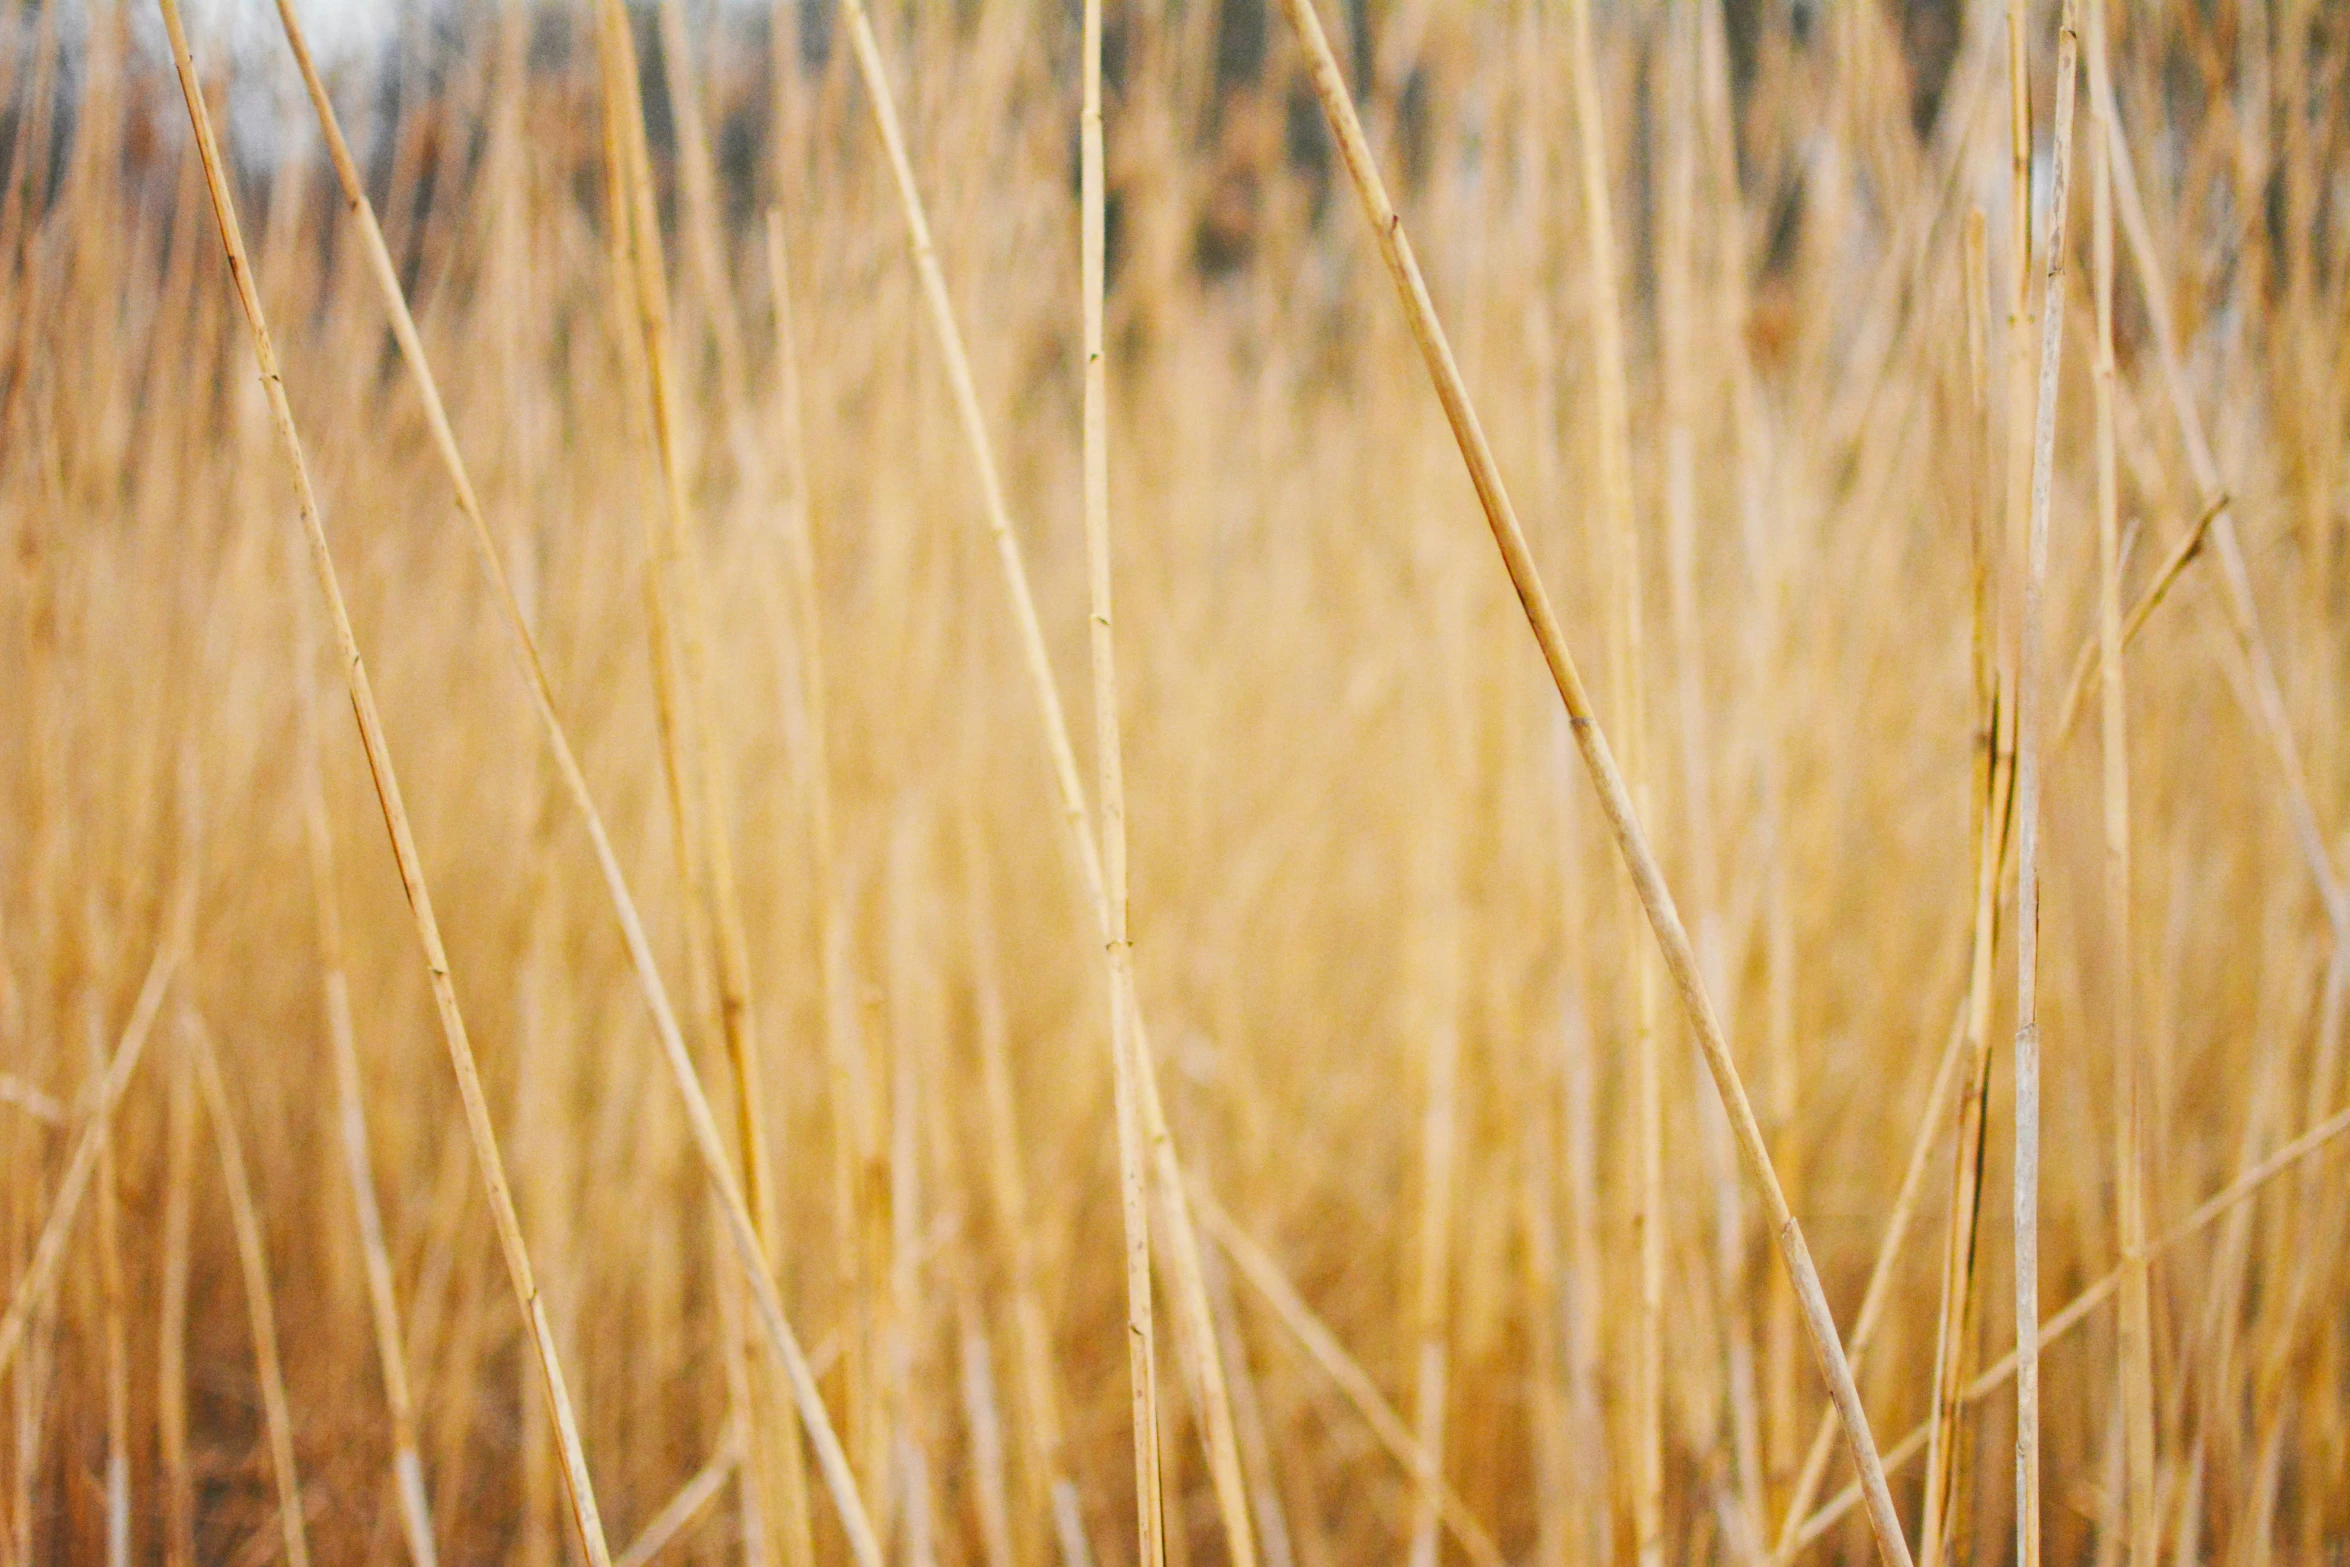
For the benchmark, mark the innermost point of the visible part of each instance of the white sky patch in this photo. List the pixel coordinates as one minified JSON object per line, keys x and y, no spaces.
{"x":242,"y":52}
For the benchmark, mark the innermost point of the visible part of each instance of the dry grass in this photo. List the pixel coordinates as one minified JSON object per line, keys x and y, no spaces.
{"x":936,"y":1062}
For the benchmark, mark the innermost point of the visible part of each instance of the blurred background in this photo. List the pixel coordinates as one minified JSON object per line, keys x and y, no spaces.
{"x":1390,"y":965}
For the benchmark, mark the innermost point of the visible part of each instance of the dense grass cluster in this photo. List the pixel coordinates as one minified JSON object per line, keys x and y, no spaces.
{"x":704,"y":452}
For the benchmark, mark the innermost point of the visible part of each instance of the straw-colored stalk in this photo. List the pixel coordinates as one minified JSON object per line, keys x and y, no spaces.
{"x":774,"y":1478}
{"x":1275,"y":1531}
{"x":680,"y":620}
{"x":116,"y":1338}
{"x":742,"y":1046}
{"x":545,"y":1149}
{"x":1437,"y":942}
{"x":2027,"y":897}
{"x":1732,"y":321}
{"x":638,"y":404}
{"x":907,"y":985}
{"x":677,"y":586}
{"x":2016,"y":461}
{"x":477,"y":1113}
{"x":1187,"y":1284}
{"x":1133,"y":1177}
{"x":260,"y":1296}
{"x":845,"y":1070}
{"x":792,"y":1365}
{"x":1615,"y":800}
{"x":2134,"y":1349}
{"x":787,"y":1480}
{"x":171,"y":1314}
{"x":1626,"y":652}
{"x":1682,"y":68}
{"x":383,"y":1306}
{"x":1988,"y":796}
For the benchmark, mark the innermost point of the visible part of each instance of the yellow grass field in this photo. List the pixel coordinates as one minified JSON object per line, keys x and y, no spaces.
{"x":1277,"y":782}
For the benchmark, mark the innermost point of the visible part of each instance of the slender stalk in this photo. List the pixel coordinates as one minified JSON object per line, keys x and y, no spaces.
{"x":2027,"y":897}
{"x":1538,"y":1221}
{"x":698,"y":694}
{"x":1256,"y":1443}
{"x":1187,"y":1283}
{"x":1133,"y":1178}
{"x":788,"y":1481}
{"x":171,"y":1346}
{"x":477,"y":1112}
{"x":1438,"y":945}
{"x":702,"y":1122}
{"x":1769,"y":552}
{"x":1615,"y":800}
{"x":680,"y":602}
{"x":383,"y":1306}
{"x":639,"y":412}
{"x":260,"y":1296}
{"x":983,"y":1414}
{"x":545,"y":1065}
{"x":117,"y":1348}
{"x":2018,"y":457}
{"x":908,"y":988}
{"x":1991,"y":784}
{"x":2134,"y":1350}
{"x":1680,"y":66}
{"x":844,"y":1069}
{"x":1626,"y":652}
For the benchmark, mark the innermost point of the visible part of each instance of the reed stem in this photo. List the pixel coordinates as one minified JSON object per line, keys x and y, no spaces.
{"x":1656,"y":899}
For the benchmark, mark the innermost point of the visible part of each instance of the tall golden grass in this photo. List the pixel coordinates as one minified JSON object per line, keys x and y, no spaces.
{"x":1019,"y":966}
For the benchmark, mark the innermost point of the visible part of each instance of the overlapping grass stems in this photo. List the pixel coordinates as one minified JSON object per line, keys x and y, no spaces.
{"x":1433,"y":1242}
